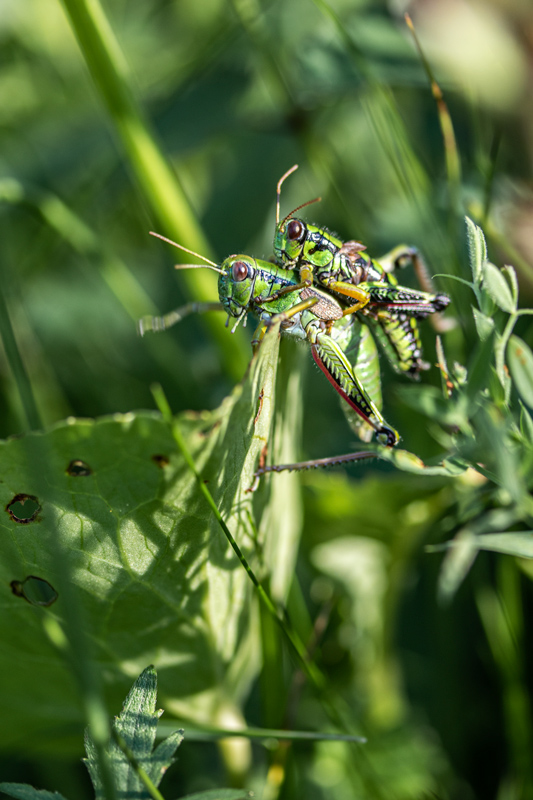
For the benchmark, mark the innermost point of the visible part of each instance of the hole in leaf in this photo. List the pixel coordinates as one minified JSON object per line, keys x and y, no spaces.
{"x":23,"y":508}
{"x":161,"y":461}
{"x":36,"y":591}
{"x":78,"y":468}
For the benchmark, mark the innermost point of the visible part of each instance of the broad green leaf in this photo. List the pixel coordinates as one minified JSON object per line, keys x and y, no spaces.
{"x":137,"y":725}
{"x":498,"y":288}
{"x":156,"y":578}
{"x":23,"y":791}
{"x":477,"y":248}
{"x":520,"y":361}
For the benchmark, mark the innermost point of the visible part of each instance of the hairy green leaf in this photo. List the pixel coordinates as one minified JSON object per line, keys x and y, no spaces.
{"x":136,"y":725}
{"x":520,"y":360}
{"x":484,"y":324}
{"x":498,"y":288}
{"x":477,"y":248}
{"x":512,"y":543}
{"x":23,"y":791}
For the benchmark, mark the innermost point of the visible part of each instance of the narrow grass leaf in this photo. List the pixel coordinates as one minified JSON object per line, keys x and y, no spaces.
{"x":456,"y":564}
{"x":480,"y":367}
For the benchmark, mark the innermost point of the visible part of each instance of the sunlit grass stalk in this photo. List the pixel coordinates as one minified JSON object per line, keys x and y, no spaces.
{"x":210,"y":733}
{"x":16,"y":364}
{"x":109,"y":71}
{"x":390,"y":129}
{"x":489,"y":180}
{"x":451,"y":152}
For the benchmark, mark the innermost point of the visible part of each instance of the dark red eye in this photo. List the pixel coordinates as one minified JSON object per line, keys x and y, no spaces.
{"x":239,"y":271}
{"x":295,"y":229}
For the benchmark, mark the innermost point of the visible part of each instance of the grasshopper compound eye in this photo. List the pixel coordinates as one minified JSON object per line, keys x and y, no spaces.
{"x":296,"y":230}
{"x":239,"y":271}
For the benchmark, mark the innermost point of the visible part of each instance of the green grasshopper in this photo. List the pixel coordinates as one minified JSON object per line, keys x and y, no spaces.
{"x":306,"y":313}
{"x":361,"y":282}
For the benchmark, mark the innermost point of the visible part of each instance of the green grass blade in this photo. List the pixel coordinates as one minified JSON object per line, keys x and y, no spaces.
{"x":33,"y":420}
{"x":160,"y":186}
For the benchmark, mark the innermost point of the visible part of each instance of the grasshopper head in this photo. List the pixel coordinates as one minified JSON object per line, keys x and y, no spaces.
{"x":289,"y":239}
{"x":236,"y":284}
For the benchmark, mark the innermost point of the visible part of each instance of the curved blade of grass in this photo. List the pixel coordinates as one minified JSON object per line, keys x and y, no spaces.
{"x":114,"y":272}
{"x":27,"y":399}
{"x":161,"y":187}
{"x":451,"y":153}
{"x":209,"y":734}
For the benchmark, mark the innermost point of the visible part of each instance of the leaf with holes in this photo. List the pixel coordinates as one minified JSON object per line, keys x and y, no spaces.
{"x":155,"y":577}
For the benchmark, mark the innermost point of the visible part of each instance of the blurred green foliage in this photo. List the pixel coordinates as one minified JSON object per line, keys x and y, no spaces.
{"x":184,"y":124}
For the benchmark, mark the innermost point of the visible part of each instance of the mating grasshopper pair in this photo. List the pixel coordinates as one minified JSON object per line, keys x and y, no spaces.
{"x":331,"y":295}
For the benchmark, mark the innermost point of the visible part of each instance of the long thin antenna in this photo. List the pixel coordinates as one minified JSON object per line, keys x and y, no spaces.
{"x":199,"y":266}
{"x":280,"y":182}
{"x":294,"y":210}
{"x":185,"y":249}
